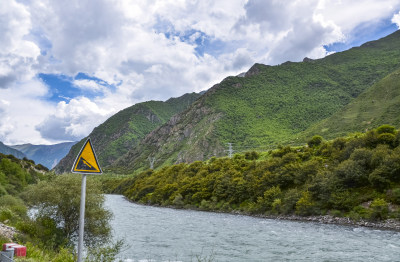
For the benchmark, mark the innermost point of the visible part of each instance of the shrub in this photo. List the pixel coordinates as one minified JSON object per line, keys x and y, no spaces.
{"x":360,"y":212}
{"x":380,"y":209}
{"x":269,"y":197}
{"x":378,"y":178}
{"x":339,"y":143}
{"x":395,"y":195}
{"x":12,"y":208}
{"x":276,"y":205}
{"x":253,"y":155}
{"x":343,"y":200}
{"x":352,"y":174}
{"x":386,"y":129}
{"x":178,"y":200}
{"x":305,"y":205}
{"x":6,"y":214}
{"x":59,"y":199}
{"x":387,"y":139}
{"x":289,"y":200}
{"x":315,"y":141}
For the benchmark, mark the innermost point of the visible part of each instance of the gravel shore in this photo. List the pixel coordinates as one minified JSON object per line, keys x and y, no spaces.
{"x":7,"y":231}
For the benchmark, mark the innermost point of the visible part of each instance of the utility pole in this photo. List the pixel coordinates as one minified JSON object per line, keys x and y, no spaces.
{"x":152,"y":160}
{"x":230,"y":150}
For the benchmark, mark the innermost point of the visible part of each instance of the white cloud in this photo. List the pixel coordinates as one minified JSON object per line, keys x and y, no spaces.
{"x":396,"y":19}
{"x":17,"y":55}
{"x":349,"y":14}
{"x":21,"y":108}
{"x":149,"y":50}
{"x":72,"y":121}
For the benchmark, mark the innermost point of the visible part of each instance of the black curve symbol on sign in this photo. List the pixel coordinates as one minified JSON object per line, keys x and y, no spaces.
{"x":85,"y":165}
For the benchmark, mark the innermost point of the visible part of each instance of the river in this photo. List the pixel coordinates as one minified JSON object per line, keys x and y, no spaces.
{"x":163,"y":234}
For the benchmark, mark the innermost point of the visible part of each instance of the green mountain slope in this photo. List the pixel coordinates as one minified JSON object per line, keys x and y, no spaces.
{"x":270,"y":105}
{"x":16,"y":174}
{"x":123,"y":130}
{"x":47,"y":155}
{"x":6,"y":150}
{"x":379,"y":104}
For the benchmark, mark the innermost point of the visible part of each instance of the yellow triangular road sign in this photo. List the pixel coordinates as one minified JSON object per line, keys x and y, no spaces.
{"x":86,"y":162}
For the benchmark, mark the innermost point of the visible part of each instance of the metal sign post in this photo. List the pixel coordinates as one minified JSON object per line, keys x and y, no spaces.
{"x":85,"y":163}
{"x":82,"y":218}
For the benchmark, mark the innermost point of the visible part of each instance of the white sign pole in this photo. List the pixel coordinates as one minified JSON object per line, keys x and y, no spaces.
{"x":85,"y":163}
{"x":82,"y":218}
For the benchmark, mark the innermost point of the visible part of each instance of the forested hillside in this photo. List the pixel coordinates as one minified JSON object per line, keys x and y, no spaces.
{"x":356,"y":176}
{"x":271,"y":105}
{"x":378,"y":105}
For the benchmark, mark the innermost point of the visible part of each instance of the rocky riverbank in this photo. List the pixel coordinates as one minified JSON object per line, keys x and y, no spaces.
{"x":389,"y":224}
{"x":7,"y":231}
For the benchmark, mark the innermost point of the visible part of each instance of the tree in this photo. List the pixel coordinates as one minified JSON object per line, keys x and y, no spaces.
{"x":58,"y":200}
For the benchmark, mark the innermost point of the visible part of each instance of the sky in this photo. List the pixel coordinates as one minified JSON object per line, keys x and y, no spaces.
{"x":67,"y":66}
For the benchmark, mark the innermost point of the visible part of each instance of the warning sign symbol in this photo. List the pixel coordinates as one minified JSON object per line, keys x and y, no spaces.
{"x":86,"y":162}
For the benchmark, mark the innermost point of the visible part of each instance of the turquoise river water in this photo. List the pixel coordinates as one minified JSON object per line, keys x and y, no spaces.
{"x":163,"y":234}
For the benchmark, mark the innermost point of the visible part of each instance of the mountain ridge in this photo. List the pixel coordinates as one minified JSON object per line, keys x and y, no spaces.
{"x":270,"y":105}
{"x":47,"y":155}
{"x":8,"y":150}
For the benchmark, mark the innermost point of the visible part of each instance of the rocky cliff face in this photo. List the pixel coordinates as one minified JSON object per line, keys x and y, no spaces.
{"x":186,"y":137}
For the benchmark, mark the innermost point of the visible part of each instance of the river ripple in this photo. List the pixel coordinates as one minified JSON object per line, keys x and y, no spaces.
{"x":164,"y":234}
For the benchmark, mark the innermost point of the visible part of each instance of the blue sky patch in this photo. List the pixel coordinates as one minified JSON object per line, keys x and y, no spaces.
{"x":63,"y":89}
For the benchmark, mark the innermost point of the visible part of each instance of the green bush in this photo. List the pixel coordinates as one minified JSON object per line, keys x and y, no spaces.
{"x":315,"y":141}
{"x":360,"y":212}
{"x":343,"y":200}
{"x":289,"y":200}
{"x":105,"y":253}
{"x":34,"y":253}
{"x":12,"y":208}
{"x":380,"y":209}
{"x":305,"y":205}
{"x":57,"y":202}
{"x":378,"y":179}
{"x":6,"y":215}
{"x":386,"y":129}
{"x":387,"y":139}
{"x":253,"y":155}
{"x":268,"y":198}
{"x":394,"y":195}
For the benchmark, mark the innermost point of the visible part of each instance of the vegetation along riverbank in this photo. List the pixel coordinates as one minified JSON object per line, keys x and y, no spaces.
{"x":348,"y":180}
{"x":50,"y":234}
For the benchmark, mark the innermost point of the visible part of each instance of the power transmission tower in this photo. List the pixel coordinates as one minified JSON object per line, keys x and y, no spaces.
{"x":230,"y":149}
{"x":152,"y":160}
